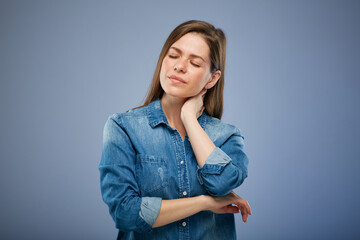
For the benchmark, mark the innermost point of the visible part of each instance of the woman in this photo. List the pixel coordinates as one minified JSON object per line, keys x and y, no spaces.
{"x":168,"y":168}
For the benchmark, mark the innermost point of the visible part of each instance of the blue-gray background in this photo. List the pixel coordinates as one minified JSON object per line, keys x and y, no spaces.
{"x":292,"y":87}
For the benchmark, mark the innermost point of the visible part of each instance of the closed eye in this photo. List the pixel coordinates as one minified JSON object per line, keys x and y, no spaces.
{"x":174,"y":56}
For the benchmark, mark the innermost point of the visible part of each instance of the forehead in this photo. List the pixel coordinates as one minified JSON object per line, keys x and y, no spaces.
{"x":193,"y":43}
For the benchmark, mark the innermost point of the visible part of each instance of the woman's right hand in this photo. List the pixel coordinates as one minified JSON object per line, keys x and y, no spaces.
{"x":221,"y":205}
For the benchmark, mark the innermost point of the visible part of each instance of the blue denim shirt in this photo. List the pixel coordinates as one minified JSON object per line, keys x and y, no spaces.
{"x":145,"y":160}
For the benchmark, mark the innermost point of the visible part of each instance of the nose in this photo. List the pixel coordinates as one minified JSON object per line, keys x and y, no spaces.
{"x":180,"y":66}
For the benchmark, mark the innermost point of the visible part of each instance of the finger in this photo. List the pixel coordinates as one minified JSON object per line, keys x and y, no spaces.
{"x":226,"y":209}
{"x":244,"y":213}
{"x":231,"y":209}
{"x":245,"y":205}
{"x":245,"y":217}
{"x":248,"y":210}
{"x":248,"y":207}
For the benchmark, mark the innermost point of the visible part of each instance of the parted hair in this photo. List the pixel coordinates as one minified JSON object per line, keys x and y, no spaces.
{"x":216,"y":40}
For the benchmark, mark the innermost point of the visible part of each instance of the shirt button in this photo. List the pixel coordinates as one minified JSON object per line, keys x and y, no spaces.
{"x":184,"y":224}
{"x":185,"y":193}
{"x":182,"y":162}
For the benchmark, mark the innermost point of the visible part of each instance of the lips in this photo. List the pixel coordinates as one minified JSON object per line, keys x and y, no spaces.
{"x":176,"y":79}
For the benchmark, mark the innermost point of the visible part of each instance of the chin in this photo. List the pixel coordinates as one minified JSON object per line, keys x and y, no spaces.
{"x":173,"y":91}
{"x":176,"y":91}
{"x":176,"y":95}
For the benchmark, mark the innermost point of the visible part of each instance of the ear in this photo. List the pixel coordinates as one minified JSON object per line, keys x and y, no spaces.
{"x":213,"y":80}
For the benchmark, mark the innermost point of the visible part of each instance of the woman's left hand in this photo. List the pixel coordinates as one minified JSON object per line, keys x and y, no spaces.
{"x":221,"y":205}
{"x":194,"y":106}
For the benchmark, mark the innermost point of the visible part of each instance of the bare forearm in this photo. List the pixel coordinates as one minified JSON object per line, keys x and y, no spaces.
{"x":177,"y":209}
{"x":200,"y":141}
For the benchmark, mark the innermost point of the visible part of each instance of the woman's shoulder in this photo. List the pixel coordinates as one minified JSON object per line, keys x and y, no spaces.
{"x":132,"y":115}
{"x":219,"y":127}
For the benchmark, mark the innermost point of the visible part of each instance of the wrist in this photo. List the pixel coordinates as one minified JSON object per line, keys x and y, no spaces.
{"x":187,"y":112}
{"x":187,"y":117}
{"x":205,"y":201}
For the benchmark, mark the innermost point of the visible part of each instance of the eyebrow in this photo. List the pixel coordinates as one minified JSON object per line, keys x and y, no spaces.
{"x":191,"y":55}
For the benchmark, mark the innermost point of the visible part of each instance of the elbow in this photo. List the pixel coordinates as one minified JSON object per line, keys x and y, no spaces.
{"x":126,"y":216}
{"x":131,"y":225}
{"x":125,"y":221}
{"x":220,"y":185}
{"x":218,"y":192}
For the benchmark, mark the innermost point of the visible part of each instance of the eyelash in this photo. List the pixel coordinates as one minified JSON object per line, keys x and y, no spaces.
{"x":196,"y":65}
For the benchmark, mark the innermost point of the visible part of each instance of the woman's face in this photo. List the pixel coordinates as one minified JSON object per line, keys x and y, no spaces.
{"x":185,"y":69}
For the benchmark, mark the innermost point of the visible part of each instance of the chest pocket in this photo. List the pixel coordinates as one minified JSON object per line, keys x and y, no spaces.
{"x":151,"y":173}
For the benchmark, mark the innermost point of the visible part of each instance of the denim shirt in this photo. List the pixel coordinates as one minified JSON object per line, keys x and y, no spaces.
{"x":144,"y":161}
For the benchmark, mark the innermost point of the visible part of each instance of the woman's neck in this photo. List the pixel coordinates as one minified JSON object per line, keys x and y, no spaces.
{"x":172,"y":110}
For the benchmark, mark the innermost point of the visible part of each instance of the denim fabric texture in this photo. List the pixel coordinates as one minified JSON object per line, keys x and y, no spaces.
{"x":144,"y":161}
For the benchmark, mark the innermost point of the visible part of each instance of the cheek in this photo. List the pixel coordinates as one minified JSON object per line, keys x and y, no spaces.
{"x":163,"y":69}
{"x":163,"y":75}
{"x":165,"y":64}
{"x":202,"y":78}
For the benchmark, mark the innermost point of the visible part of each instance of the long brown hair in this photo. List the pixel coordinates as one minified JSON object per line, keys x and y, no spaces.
{"x":216,"y":40}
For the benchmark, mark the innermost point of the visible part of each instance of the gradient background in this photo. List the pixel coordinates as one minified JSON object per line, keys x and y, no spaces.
{"x":292,"y":87}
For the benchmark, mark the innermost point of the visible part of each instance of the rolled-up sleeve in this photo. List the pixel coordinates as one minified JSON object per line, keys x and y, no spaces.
{"x":226,"y":167}
{"x":118,"y":183}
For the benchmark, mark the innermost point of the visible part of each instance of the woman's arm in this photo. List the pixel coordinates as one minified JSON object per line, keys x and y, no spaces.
{"x":118,"y":183}
{"x":223,"y":168}
{"x":176,"y":209}
{"x":200,"y":141}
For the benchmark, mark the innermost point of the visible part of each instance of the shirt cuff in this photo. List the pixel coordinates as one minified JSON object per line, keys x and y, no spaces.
{"x":214,"y":164}
{"x":217,"y":156}
{"x":149,"y":209}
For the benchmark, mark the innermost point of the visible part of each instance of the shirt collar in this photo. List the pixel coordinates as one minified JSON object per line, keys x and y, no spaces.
{"x":156,"y":115}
